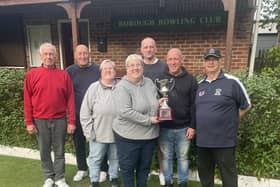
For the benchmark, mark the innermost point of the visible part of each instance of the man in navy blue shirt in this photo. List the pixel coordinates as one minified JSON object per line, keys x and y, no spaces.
{"x":221,"y":101}
{"x":83,"y":73}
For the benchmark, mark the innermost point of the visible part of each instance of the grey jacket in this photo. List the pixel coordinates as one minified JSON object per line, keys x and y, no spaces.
{"x":97,"y":113}
{"x":135,"y":104}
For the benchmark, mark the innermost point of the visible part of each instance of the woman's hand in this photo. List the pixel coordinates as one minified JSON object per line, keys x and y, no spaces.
{"x":162,"y":100}
{"x":154,"y":120}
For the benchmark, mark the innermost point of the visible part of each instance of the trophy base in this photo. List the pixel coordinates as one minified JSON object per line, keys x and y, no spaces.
{"x":164,"y":114}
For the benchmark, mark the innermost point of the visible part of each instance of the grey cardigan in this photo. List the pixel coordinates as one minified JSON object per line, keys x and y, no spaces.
{"x":135,"y":104}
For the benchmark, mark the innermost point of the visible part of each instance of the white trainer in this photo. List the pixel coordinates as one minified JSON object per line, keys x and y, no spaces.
{"x":48,"y":182}
{"x":102,"y":176}
{"x":80,"y":175}
{"x":161,"y":179}
{"x":61,"y":183}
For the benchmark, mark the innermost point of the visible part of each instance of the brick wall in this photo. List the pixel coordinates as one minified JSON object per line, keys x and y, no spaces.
{"x":193,"y":43}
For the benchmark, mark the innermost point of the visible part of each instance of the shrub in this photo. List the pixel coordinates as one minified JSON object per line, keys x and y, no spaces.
{"x":258,"y":150}
{"x":11,"y":110}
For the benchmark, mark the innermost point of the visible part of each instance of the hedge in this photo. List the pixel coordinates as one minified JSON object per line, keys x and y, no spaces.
{"x":258,"y":150}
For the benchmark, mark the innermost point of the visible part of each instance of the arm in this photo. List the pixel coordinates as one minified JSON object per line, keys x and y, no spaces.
{"x":86,"y":112}
{"x":242,"y":98}
{"x":123,"y":102}
{"x":71,"y":106}
{"x":28,"y":115}
{"x":242,"y":112}
{"x":192,"y":102}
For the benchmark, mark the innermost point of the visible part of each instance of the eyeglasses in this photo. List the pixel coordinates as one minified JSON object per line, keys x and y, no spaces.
{"x":134,"y":66}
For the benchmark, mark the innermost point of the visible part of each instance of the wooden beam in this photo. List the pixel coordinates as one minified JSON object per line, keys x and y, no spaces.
{"x":25,"y":2}
{"x":74,"y":13}
{"x":230,"y":6}
{"x":71,"y":10}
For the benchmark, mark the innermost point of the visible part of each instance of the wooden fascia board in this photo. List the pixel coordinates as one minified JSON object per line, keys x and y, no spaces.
{"x":26,"y":2}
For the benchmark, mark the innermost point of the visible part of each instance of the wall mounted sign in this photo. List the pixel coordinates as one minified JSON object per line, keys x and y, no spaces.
{"x":172,"y":22}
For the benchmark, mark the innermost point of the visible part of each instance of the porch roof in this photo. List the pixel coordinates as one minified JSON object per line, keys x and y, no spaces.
{"x":113,"y":4}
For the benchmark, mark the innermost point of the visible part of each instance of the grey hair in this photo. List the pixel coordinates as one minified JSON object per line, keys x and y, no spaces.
{"x":46,"y":45}
{"x":133,"y":57}
{"x":107,"y":61}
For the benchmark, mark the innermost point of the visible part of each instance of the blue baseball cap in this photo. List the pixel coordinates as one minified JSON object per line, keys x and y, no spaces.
{"x":212,"y":52}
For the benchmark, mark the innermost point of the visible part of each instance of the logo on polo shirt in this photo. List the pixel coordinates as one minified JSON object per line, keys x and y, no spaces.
{"x":218,"y":91}
{"x":201,"y":93}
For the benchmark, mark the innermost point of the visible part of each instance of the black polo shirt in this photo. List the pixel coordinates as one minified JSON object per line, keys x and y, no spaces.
{"x":217,"y":111}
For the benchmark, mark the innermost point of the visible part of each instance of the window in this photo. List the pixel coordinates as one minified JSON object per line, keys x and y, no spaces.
{"x":37,"y":34}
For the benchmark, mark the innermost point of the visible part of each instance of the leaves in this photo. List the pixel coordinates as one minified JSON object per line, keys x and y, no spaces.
{"x":259,"y":133}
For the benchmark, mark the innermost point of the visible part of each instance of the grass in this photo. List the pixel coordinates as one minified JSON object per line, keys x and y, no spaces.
{"x":22,"y":172}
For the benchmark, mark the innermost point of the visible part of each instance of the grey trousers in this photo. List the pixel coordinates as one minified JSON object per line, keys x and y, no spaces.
{"x":51,"y":134}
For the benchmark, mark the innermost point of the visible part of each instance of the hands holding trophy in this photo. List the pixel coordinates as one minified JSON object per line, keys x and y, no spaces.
{"x":164,"y":86}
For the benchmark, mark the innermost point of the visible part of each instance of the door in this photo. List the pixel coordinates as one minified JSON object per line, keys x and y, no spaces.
{"x":66,"y":42}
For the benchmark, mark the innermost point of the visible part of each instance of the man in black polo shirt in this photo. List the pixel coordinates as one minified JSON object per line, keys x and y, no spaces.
{"x":221,"y":100}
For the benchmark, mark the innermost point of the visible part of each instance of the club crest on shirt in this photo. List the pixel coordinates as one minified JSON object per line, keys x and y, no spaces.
{"x":218,"y":91}
{"x":201,"y":93}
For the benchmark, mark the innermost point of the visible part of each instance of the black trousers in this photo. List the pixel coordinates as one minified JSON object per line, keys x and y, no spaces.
{"x":80,"y":148}
{"x":225,"y":160}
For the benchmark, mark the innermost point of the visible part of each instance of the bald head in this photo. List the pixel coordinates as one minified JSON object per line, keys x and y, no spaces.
{"x":148,"y":49}
{"x":174,"y":60}
{"x":82,"y":55}
{"x":175,"y":51}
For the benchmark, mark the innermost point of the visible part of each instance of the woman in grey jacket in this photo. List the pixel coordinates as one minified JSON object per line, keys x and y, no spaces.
{"x":97,"y":114}
{"x":135,"y":128}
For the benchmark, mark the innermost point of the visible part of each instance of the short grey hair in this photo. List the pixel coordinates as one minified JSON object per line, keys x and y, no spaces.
{"x":133,"y":57}
{"x":46,"y":45}
{"x":107,"y":61}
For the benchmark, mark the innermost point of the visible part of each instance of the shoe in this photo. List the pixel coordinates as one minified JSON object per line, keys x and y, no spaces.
{"x":184,"y":184}
{"x":61,"y":183}
{"x":168,"y":184}
{"x":161,"y":179}
{"x":102,"y":176}
{"x":149,"y":176}
{"x":80,"y":175}
{"x":114,"y":182}
{"x":48,"y":182}
{"x":94,"y":184}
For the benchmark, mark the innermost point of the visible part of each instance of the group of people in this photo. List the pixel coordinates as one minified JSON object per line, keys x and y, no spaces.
{"x":119,"y":117}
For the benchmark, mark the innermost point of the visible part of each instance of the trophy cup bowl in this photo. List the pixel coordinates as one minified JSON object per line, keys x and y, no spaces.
{"x":164,"y":86}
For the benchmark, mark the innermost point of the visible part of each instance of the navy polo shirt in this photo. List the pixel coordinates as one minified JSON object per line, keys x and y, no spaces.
{"x":217,"y":111}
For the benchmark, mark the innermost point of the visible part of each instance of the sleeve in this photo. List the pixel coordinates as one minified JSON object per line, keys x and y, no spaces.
{"x":123,"y":102}
{"x":240,"y":95}
{"x":28,"y":108}
{"x":86,"y":113}
{"x":192,"y":102}
{"x":70,"y":101}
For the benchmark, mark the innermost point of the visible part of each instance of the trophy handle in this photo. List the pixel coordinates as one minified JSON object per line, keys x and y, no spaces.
{"x":172,"y":84}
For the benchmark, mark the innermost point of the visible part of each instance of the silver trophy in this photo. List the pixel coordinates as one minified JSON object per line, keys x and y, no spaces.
{"x":164,"y":86}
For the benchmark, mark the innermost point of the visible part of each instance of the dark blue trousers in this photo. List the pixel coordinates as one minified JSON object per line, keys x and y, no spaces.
{"x":135,"y":159}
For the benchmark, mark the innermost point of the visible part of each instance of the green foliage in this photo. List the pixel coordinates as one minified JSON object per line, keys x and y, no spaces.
{"x":11,"y":109}
{"x":259,"y":132}
{"x":270,"y":11}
